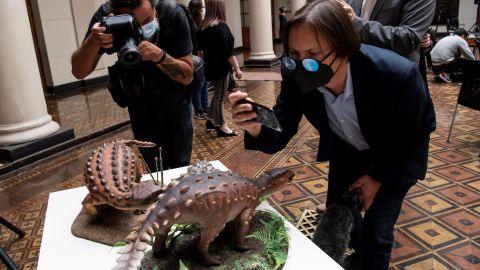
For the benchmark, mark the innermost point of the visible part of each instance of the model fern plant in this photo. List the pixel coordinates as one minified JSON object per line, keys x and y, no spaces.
{"x":274,"y":237}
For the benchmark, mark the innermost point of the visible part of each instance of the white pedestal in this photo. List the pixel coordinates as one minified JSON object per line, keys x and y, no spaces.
{"x":61,"y":250}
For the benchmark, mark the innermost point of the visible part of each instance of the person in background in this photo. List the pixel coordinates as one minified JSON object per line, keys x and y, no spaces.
{"x":282,"y":19}
{"x":161,"y":111}
{"x":446,"y":52}
{"x":371,"y":109}
{"x":200,"y":94}
{"x":396,"y":25}
{"x":216,"y":45}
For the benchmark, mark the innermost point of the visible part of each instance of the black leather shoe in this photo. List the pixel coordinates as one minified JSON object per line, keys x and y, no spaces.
{"x":221,"y":133}
{"x":209,"y":125}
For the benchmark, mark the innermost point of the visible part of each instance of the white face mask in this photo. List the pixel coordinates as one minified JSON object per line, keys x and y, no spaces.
{"x":150,"y":29}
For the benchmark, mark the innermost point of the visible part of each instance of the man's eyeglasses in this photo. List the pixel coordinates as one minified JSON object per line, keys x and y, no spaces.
{"x":309,"y":64}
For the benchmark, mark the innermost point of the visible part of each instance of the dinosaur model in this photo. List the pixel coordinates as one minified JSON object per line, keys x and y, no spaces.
{"x":112,"y":176}
{"x":208,"y":199}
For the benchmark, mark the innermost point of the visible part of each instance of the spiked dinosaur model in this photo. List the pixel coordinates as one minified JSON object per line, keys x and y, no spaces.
{"x":208,"y":199}
{"x":113,"y":177}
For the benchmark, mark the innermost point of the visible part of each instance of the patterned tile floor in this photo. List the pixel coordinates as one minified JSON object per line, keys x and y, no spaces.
{"x":439,"y":226}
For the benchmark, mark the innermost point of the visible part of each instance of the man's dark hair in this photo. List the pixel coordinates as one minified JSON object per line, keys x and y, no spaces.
{"x":282,"y":9}
{"x":116,"y":5}
{"x":328,"y":19}
{"x":461,"y":32}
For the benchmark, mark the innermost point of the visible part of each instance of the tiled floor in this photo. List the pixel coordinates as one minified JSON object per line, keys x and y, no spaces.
{"x":439,"y":226}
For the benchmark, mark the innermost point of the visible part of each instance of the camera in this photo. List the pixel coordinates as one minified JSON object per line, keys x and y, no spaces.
{"x":126,"y":37}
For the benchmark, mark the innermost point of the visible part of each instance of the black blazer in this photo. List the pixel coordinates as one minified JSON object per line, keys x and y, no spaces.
{"x":394,"y":109}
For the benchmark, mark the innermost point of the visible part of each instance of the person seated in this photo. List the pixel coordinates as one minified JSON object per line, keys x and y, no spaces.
{"x":446,"y":52}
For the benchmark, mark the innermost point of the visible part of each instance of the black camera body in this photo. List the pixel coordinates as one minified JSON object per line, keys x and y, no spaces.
{"x":126,"y":37}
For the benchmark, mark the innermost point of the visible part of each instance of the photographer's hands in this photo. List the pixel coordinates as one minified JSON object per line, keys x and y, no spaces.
{"x":150,"y":52}
{"x":99,"y":38}
{"x":242,"y":114}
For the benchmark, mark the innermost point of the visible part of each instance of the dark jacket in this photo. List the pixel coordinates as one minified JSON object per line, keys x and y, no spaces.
{"x":397,"y":25}
{"x":395,"y":114}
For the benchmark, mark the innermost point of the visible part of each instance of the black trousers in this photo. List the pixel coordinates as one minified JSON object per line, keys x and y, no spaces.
{"x":372,"y":236}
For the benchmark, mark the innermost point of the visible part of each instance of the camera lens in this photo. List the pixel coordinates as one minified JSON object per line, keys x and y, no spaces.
{"x":128,"y":55}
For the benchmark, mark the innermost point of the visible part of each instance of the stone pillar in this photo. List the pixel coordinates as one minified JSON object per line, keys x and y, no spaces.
{"x":23,"y":110}
{"x":297,"y":4}
{"x":261,"y":38}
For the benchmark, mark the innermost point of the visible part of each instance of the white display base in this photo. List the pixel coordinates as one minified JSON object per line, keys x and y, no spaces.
{"x":61,"y":250}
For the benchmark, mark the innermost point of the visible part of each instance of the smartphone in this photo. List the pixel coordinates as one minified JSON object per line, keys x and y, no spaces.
{"x":264,"y":115}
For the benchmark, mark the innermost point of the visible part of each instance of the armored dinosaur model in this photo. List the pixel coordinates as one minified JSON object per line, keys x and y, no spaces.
{"x":112,"y":176}
{"x":208,"y":199}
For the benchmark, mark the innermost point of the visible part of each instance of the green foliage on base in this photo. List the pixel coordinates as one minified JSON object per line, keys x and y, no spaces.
{"x":274,"y":237}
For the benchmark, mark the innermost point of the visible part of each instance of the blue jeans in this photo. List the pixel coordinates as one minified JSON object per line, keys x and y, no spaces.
{"x":372,"y":236}
{"x":200,"y":97}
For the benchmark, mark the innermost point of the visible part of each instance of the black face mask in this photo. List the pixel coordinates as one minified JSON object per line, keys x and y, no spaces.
{"x":309,"y":73}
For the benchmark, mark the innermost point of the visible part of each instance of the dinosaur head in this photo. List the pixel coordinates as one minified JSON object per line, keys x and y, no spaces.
{"x":274,"y":180}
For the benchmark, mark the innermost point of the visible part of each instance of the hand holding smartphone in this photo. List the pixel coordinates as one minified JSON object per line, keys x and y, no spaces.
{"x":264,"y":115}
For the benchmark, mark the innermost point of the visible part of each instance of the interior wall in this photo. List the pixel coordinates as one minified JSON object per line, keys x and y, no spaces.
{"x":467,"y":13}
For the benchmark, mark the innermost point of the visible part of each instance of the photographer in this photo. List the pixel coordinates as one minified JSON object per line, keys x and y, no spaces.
{"x":154,"y":88}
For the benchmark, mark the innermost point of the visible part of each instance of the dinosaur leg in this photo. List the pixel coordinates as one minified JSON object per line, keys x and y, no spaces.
{"x":208,"y":235}
{"x":89,"y":205}
{"x":159,"y":245}
{"x":244,"y":220}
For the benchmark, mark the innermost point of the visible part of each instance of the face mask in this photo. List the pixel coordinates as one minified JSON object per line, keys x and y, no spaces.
{"x":150,"y":29}
{"x":309,"y":73}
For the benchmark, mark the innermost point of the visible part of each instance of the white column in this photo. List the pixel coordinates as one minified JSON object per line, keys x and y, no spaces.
{"x":23,"y":110}
{"x":297,"y":4}
{"x":261,"y":38}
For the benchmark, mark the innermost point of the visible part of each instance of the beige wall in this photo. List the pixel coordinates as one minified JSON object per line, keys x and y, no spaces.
{"x":61,"y":26}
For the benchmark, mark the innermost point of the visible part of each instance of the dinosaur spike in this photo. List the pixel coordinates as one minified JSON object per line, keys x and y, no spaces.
{"x":225,"y":185}
{"x":128,"y":197}
{"x":165,"y":222}
{"x":119,"y":198}
{"x":234,"y":183}
{"x":161,"y":196}
{"x":90,"y":158}
{"x":89,"y":164}
{"x":92,"y":178}
{"x":248,"y":196}
{"x":210,"y":177}
{"x":176,"y":215}
{"x":114,"y":162}
{"x":220,"y":175}
{"x":117,"y":184}
{"x":99,"y":167}
{"x":125,"y":178}
{"x":115,"y":178}
{"x":184,"y":189}
{"x":107,"y":189}
{"x":101,"y":174}
{"x":198,"y":193}
{"x":214,"y":202}
{"x":95,"y":188}
{"x":131,"y":237}
{"x":103,"y":181}
{"x":112,"y":195}
{"x":161,"y":213}
{"x":150,"y":231}
{"x":228,"y":201}
{"x":155,"y":225}
{"x":114,"y":171}
{"x":198,"y":180}
{"x":171,"y":202}
{"x":145,"y":237}
{"x":212,"y":187}
{"x":189,"y":203}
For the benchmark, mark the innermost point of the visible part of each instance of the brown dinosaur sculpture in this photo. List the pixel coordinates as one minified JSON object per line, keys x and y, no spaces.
{"x":112,"y":176}
{"x":208,"y":199}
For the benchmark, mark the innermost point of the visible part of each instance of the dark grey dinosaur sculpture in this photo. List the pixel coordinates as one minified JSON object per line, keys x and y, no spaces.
{"x":208,"y":199}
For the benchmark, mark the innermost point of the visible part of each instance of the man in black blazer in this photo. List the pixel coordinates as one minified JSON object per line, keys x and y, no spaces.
{"x":397,"y":25}
{"x":372,"y":112}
